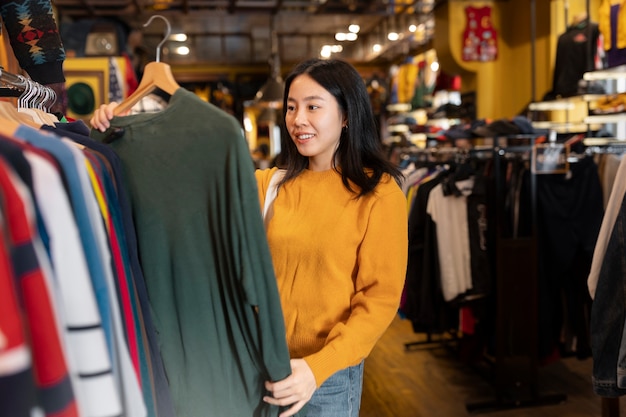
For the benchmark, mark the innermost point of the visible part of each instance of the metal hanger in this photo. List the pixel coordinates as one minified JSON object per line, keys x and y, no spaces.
{"x":156,"y":75}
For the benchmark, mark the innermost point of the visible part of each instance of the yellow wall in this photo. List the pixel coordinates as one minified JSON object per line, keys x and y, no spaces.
{"x":504,"y":86}
{"x":7,"y":59}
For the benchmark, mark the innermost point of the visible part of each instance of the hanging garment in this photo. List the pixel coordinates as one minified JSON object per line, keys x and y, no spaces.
{"x":154,"y":381}
{"x":33,"y":286}
{"x":86,"y":346}
{"x":94,"y":240}
{"x":575,"y":54}
{"x":18,"y":392}
{"x":569,"y":216}
{"x":480,"y":40}
{"x":205,"y":257}
{"x":612,"y":25}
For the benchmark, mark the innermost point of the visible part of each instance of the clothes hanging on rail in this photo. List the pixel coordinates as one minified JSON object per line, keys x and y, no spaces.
{"x":32,"y":284}
{"x":422,"y":300}
{"x":444,"y":267}
{"x":606,"y":284}
{"x":72,"y":223}
{"x":576,"y":53}
{"x":570,"y":209}
{"x":206,"y":261}
{"x":150,"y":363}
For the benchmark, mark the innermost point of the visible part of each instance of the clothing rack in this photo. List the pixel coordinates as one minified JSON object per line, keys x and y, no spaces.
{"x":514,"y":365}
{"x":15,"y":85}
{"x":29,"y":92}
{"x":453,"y":158}
{"x":610,"y":406}
{"x":516,"y":344}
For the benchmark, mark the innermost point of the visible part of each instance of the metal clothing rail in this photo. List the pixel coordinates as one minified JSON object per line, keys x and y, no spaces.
{"x":14,"y":85}
{"x":30,"y":93}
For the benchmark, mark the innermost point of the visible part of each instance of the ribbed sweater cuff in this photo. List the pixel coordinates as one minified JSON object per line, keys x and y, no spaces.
{"x":321,"y":364}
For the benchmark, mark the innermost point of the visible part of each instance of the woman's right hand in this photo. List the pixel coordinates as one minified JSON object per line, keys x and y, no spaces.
{"x":102,"y":115}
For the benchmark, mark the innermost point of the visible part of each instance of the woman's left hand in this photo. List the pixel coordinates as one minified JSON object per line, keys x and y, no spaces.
{"x":296,"y":390}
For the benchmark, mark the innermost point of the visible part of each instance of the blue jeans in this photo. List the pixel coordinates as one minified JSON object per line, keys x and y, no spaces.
{"x":339,"y":395}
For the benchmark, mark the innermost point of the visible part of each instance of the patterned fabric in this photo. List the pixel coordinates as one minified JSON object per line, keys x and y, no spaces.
{"x":151,"y":103}
{"x":18,"y":394}
{"x":116,"y":92}
{"x":35,"y":38}
{"x":50,"y":366}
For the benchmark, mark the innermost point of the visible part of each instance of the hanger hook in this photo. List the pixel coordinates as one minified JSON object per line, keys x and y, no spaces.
{"x":168,"y":32}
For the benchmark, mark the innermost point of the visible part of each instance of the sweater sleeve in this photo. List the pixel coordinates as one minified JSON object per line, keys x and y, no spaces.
{"x":382,"y":260}
{"x":35,"y":39}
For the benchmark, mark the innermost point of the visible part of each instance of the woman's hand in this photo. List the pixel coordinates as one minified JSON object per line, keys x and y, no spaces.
{"x":102,"y":115}
{"x":296,"y":390}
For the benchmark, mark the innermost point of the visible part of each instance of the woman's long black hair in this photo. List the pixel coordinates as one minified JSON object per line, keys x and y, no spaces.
{"x":359,"y":158}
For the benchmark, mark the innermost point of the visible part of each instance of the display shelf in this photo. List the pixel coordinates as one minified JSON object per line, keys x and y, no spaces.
{"x":606,"y":118}
{"x":443,"y":123}
{"x":399,"y":107}
{"x":399,"y":128}
{"x":615,"y":73}
{"x":604,"y":141}
{"x":566,"y":103}
{"x":615,"y":79}
{"x":567,"y":127}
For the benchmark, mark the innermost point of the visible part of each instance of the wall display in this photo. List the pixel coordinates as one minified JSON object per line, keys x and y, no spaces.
{"x":88,"y":82}
{"x":480,"y":42}
{"x":611,"y":24}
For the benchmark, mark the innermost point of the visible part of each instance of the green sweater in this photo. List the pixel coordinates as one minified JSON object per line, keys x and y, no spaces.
{"x":205,"y":257}
{"x":340,"y":264}
{"x":35,"y":38}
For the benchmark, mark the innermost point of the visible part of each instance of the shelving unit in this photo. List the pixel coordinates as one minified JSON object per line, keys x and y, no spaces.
{"x":615,"y":83}
{"x":571,"y":121}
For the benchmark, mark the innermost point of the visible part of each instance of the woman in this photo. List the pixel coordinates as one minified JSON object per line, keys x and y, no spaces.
{"x":338,"y":238}
{"x":337,"y":235}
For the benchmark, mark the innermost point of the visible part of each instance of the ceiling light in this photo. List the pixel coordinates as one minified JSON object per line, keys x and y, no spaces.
{"x":393,"y":36}
{"x":377,"y":47}
{"x":340,"y":36}
{"x":271,"y":93}
{"x":328,"y":50}
{"x":351,"y":37}
{"x":354,"y":28}
{"x":412,"y":28}
{"x":182,"y":50}
{"x":178,"y":37}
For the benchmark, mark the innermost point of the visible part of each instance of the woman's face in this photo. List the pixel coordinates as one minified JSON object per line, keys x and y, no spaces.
{"x":314,"y":121}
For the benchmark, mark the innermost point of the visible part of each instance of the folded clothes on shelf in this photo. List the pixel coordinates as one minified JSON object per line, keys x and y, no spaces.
{"x":613,"y":103}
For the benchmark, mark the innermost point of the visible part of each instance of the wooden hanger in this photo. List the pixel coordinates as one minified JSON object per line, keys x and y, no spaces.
{"x":8,"y":126}
{"x":8,"y":112}
{"x":156,"y":75}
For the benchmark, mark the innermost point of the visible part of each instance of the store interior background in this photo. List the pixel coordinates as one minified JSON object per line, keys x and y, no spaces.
{"x":231,"y":49}
{"x":237,"y":48}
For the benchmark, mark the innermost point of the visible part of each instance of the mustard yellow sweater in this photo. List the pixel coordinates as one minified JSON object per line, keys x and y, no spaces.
{"x":340,"y":264}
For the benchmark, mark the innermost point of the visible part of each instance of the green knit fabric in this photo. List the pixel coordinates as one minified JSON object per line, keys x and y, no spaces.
{"x":35,"y":39}
{"x":206,"y":260}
